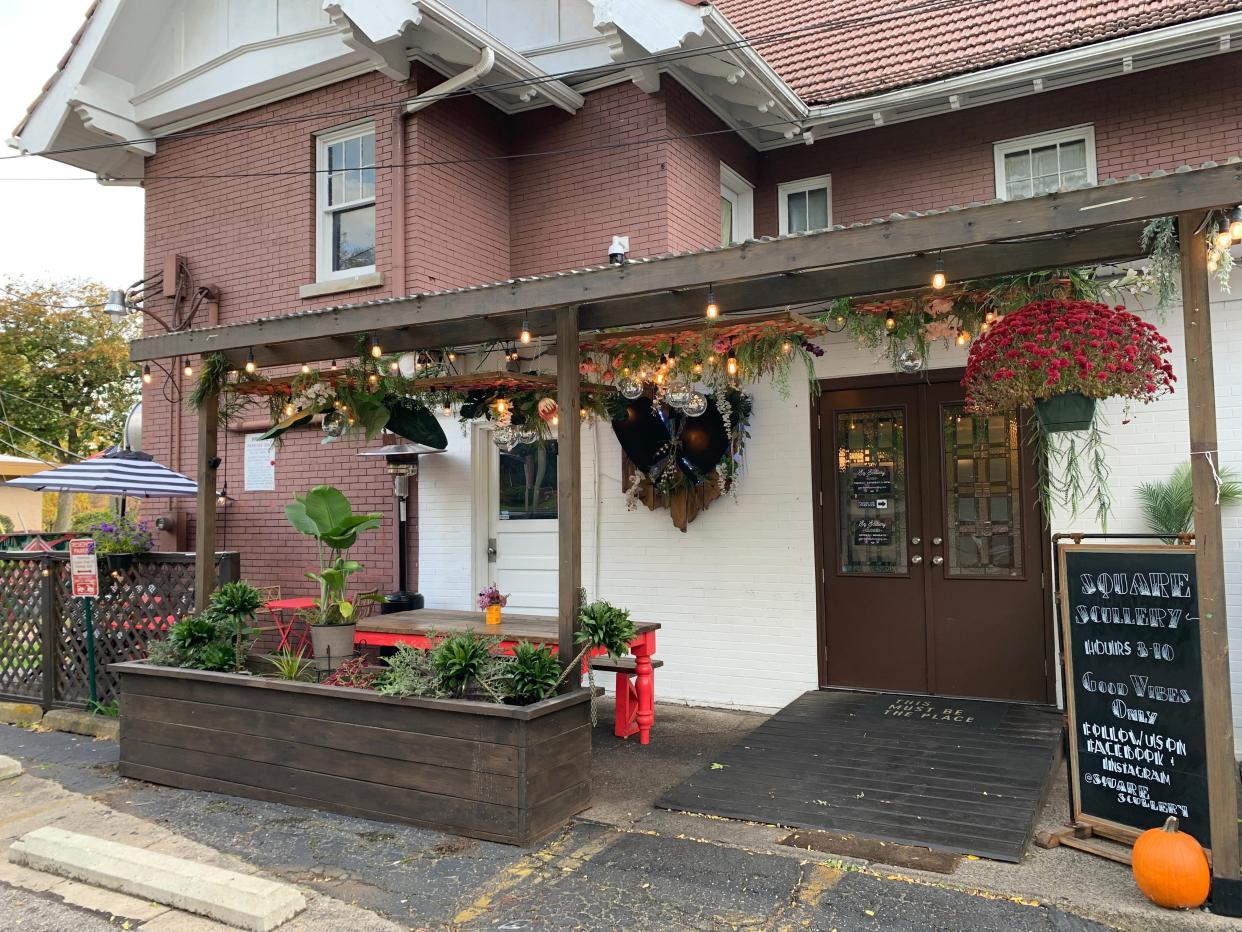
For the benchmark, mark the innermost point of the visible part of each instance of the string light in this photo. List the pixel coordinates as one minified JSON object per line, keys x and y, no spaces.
{"x":698,"y":368}
{"x":333,"y":366}
{"x":251,"y":368}
{"x":1235,"y":223}
{"x":890,"y":321}
{"x":1224,"y":239}
{"x":452,"y":357}
{"x":394,"y":366}
{"x":582,"y":413}
{"x":372,"y":378}
{"x":556,"y":420}
{"x":289,"y":409}
{"x":146,"y":374}
{"x":713,"y":311}
{"x":786,"y":347}
{"x":188,"y":370}
{"x":672,"y":355}
{"x":501,"y":406}
{"x":375,"y":348}
{"x":711,"y":360}
{"x":524,"y":336}
{"x":1212,"y":262}
{"x":938,"y":279}
{"x":448,"y":409}
{"x":306,"y":370}
{"x":985,"y":327}
{"x":963,"y":336}
{"x":731,"y":363}
{"x":989,"y":317}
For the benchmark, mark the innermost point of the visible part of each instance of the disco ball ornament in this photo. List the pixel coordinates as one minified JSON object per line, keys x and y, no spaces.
{"x":504,"y":437}
{"x":335,"y":424}
{"x":679,"y":395}
{"x":910,"y":361}
{"x":696,"y":405}
{"x":629,"y":387}
{"x":526,"y":435}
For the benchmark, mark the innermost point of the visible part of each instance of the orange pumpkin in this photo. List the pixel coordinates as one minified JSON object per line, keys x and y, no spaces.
{"x":1171,"y":868}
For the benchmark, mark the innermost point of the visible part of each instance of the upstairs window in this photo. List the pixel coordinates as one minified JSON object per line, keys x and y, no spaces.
{"x":737,"y":207}
{"x":1046,"y":162}
{"x":346,"y":202}
{"x":805,"y":205}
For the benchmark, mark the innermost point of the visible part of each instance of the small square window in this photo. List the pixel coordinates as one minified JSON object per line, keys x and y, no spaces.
{"x":805,"y":205}
{"x":737,"y":199}
{"x":346,"y":203}
{"x":1047,"y":162}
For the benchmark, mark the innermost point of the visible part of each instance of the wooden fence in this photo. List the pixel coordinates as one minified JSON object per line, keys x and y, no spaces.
{"x":43,"y":627}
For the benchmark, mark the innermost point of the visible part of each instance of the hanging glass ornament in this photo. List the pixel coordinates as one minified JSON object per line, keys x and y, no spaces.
{"x":696,"y":405}
{"x":629,"y":387}
{"x":526,"y":435}
{"x":678,"y":395}
{"x":910,"y":361}
{"x":504,"y":437}
{"x":335,"y":424}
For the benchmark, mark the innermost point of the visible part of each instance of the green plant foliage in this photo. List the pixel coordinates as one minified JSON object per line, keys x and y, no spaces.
{"x":532,"y":673}
{"x":410,"y":673}
{"x":233,"y":608}
{"x":198,"y":643}
{"x":162,"y":653}
{"x":466,"y":664}
{"x":1169,"y":505}
{"x":106,"y":709}
{"x":356,"y":672}
{"x":603,"y":626}
{"x":324,"y":514}
{"x":212,"y":377}
{"x":85,"y":520}
{"x":291,"y":666}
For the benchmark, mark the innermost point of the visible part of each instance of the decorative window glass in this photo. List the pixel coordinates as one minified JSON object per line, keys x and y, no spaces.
{"x":527,"y":481}
{"x":983,"y":501}
{"x":871,"y":492}
{"x":737,"y":207}
{"x":346,"y":202}
{"x":1044,"y":163}
{"x":805,"y":205}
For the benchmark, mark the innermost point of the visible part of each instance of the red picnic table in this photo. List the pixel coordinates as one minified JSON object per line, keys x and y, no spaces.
{"x":417,"y":628}
{"x":284,"y":614}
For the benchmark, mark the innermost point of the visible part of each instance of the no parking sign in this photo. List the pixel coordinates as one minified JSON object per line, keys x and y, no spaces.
{"x":84,"y":568}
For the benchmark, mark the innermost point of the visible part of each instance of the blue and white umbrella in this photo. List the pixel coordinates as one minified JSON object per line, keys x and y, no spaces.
{"x":124,"y":472}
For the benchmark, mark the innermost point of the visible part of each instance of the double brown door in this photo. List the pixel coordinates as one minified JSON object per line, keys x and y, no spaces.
{"x":932,"y":547}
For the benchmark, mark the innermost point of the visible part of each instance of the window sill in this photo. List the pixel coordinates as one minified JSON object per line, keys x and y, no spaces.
{"x":337,"y":285}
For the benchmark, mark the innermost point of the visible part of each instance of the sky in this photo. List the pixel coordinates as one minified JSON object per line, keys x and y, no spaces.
{"x":55,"y":229}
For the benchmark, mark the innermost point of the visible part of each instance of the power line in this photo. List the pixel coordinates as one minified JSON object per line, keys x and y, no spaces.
{"x":46,"y":443}
{"x":51,"y":307}
{"x":95,"y":425}
{"x":24,"y":454}
{"x":930,"y":6}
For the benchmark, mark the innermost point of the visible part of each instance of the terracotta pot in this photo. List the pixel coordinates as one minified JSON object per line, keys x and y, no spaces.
{"x":1066,"y":411}
{"x":332,"y":644}
{"x":493,"y":614}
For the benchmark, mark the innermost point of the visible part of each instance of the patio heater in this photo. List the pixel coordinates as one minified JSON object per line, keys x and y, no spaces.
{"x":402,"y":459}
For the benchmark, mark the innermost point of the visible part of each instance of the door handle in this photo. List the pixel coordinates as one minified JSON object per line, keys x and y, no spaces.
{"x":937,"y":541}
{"x":916,"y":559}
{"x":937,"y":560}
{"x":491,"y":550}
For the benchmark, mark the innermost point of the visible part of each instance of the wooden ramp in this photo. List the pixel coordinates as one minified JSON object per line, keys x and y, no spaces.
{"x":950,"y":774}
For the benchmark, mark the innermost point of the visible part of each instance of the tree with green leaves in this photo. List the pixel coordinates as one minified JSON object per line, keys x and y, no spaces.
{"x":66,"y":382}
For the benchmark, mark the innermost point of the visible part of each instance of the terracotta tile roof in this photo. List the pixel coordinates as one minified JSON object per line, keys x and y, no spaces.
{"x":60,"y":66}
{"x":871,"y":46}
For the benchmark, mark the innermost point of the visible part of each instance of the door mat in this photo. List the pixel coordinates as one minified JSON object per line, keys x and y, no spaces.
{"x":878,"y":852}
{"x":825,"y":763}
{"x":962,"y":713}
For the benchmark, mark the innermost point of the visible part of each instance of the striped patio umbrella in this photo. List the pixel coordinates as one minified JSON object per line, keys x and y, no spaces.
{"x":123,"y":472}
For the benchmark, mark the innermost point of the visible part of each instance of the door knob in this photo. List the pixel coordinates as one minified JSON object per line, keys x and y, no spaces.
{"x":937,"y":541}
{"x":916,"y":541}
{"x":937,"y":560}
{"x":916,"y":559}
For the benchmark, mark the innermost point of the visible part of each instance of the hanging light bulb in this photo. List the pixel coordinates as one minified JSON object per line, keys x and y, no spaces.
{"x":289,"y":409}
{"x":963,"y":337}
{"x":711,"y":360}
{"x":890,"y":320}
{"x":376,"y":352}
{"x":146,"y":374}
{"x":524,"y":336}
{"x":333,"y":367}
{"x":556,"y":419}
{"x":713,"y":311}
{"x":786,"y":347}
{"x":1213,"y":262}
{"x":222,"y":497}
{"x":938,"y":280}
{"x":582,"y":412}
{"x":188,"y":370}
{"x":1235,"y":222}
{"x":452,"y":357}
{"x":251,"y":368}
{"x":697,"y":368}
{"x":985,"y":327}
{"x":372,"y":378}
{"x":448,"y":409}
{"x":731,"y":363}
{"x":1224,"y":238}
{"x":672,"y":355}
{"x":395,"y":366}
{"x":501,"y":406}
{"x":989,"y":317}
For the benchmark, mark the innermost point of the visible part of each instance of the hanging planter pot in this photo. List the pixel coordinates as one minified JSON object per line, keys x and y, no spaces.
{"x":118,"y":562}
{"x":1064,"y":412}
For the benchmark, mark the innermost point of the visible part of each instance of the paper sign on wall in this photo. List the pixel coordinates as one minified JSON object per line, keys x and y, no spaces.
{"x":83,"y":568}
{"x":260,"y":464}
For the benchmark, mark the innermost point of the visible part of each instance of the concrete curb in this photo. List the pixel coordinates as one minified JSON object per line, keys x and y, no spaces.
{"x":9,"y":768}
{"x":20,"y":713}
{"x":241,"y":900}
{"x":82,"y":723}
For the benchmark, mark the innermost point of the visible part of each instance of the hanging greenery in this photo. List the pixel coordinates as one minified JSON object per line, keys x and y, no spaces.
{"x":1162,"y":275}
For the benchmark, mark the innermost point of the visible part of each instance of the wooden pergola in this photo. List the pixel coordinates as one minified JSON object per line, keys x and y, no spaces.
{"x":1095,"y":225}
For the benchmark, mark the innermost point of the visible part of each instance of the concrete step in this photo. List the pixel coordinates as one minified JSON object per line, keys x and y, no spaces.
{"x":240,"y":900}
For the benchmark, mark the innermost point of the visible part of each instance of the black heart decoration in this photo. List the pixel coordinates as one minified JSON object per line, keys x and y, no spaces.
{"x":704,"y":442}
{"x":643,"y":436}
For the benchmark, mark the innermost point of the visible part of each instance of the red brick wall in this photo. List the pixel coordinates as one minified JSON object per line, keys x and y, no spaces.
{"x":1188,"y":113}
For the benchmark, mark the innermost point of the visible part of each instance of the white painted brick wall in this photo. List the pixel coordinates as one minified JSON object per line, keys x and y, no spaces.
{"x":736,"y":593}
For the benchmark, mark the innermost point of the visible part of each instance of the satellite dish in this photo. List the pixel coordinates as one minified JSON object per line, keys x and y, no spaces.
{"x":131,"y":433}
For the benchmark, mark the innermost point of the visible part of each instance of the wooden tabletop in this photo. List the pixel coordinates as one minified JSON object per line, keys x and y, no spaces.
{"x":541,"y":629}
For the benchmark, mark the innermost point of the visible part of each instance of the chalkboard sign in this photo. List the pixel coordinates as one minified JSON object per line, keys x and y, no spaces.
{"x":873,"y":532}
{"x":870,"y":481}
{"x":1134,"y":688}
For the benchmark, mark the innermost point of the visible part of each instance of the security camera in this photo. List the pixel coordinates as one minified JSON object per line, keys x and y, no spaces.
{"x":616,"y":252}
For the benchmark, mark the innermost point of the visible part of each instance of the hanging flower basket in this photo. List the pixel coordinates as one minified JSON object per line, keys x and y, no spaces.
{"x":1064,"y":412}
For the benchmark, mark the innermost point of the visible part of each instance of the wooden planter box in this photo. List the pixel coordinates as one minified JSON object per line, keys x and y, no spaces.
{"x":497,"y":772}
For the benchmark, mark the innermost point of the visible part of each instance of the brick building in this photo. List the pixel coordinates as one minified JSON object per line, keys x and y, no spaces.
{"x":677,"y":124}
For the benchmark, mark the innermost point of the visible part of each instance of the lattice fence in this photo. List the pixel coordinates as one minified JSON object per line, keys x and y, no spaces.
{"x":43,"y":654}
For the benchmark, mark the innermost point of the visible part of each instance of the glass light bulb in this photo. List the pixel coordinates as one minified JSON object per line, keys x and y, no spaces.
{"x":1224,"y":239}
{"x":938,"y":280}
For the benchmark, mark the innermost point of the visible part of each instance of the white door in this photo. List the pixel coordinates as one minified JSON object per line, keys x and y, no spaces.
{"x":521,"y":548}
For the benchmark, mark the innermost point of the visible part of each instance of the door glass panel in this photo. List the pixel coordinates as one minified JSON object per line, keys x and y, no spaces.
{"x":983,"y":518}
{"x":871,"y":492}
{"x":527,"y":481}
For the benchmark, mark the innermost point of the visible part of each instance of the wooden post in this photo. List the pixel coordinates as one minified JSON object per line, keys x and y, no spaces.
{"x":205,"y":528}
{"x":568,"y":481}
{"x":1209,"y":567}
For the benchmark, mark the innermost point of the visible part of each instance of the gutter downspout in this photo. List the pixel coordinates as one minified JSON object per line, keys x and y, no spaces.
{"x":487,"y":60}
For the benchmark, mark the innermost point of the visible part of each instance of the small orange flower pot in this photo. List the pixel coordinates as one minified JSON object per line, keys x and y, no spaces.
{"x":493,"y":614}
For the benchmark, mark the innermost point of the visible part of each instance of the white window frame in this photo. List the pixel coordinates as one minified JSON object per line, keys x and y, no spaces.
{"x":801,"y":186}
{"x":323,"y":212}
{"x":1085,"y":131}
{"x":741,"y":194}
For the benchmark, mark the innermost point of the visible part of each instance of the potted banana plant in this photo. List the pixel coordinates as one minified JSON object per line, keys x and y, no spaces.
{"x":324,"y":513}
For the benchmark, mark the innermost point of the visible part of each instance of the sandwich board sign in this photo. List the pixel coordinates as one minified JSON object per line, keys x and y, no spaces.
{"x":1134,"y":688}
{"x":83,"y":568}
